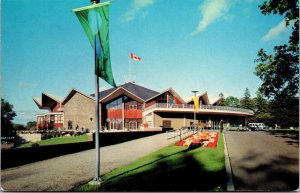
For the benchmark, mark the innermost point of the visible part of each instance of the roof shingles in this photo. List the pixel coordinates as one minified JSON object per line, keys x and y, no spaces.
{"x":141,"y":92}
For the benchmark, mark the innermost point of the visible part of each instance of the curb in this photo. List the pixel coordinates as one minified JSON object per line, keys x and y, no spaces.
{"x":230,"y":185}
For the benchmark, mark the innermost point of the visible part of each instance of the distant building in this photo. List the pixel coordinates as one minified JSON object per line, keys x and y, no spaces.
{"x":133,"y":107}
{"x":55,"y":117}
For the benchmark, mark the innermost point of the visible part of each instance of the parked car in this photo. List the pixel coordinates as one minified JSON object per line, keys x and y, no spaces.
{"x":257,"y":126}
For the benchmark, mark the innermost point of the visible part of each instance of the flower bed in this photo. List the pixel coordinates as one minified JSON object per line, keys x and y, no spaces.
{"x":203,"y":139}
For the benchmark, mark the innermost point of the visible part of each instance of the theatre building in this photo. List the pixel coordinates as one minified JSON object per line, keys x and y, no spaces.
{"x":133,"y":107}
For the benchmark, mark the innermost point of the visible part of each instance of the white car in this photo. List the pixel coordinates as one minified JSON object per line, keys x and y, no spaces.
{"x":257,"y":126}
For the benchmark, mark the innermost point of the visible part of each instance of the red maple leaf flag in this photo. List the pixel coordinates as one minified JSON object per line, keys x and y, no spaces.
{"x":134,"y":57}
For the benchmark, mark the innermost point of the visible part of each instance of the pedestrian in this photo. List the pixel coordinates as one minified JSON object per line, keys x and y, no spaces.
{"x":221,"y":125}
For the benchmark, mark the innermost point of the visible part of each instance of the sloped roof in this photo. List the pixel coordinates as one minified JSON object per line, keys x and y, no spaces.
{"x":71,"y":94}
{"x":38,"y":102}
{"x":215,"y":100}
{"x":139,"y":91}
{"x":58,"y":99}
{"x":171,"y":91}
{"x":203,"y":95}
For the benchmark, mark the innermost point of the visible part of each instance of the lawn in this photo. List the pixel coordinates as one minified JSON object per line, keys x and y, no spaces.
{"x":58,"y":140}
{"x":172,"y":168}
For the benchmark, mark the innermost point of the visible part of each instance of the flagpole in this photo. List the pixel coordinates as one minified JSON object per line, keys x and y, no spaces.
{"x":97,"y":178}
{"x":129,"y":69}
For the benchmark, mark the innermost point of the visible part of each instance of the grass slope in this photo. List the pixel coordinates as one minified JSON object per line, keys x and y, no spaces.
{"x":58,"y":140}
{"x":170,"y":169}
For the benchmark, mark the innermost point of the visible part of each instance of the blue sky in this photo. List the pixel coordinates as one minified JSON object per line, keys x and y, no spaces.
{"x":205,"y":45}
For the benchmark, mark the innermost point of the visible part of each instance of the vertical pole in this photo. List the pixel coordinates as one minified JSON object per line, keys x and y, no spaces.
{"x":97,"y":174}
{"x":194,"y":91}
{"x":129,"y":69}
{"x":98,"y":117}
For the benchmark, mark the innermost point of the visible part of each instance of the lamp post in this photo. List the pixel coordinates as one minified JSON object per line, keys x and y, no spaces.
{"x":194,"y":91}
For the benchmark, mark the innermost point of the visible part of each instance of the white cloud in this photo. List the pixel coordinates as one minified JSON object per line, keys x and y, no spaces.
{"x":275,"y":31}
{"x":135,"y":7}
{"x":211,"y":10}
{"x":28,"y":85}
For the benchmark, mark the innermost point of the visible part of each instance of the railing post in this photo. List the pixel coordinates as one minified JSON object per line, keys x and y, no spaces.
{"x":180,"y":134}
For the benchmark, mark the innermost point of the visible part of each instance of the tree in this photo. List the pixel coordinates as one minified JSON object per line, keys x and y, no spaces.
{"x":232,"y":102}
{"x":7,"y":115}
{"x":246,"y":102}
{"x":19,"y":127}
{"x":286,"y":113}
{"x":222,"y":100}
{"x":279,"y":71}
{"x":261,"y":104}
{"x":262,"y":113}
{"x":31,"y":125}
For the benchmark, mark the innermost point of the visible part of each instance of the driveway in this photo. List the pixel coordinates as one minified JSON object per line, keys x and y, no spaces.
{"x":62,"y":173}
{"x":263,"y":162}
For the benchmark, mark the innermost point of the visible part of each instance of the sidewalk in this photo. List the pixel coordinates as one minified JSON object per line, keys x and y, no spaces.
{"x":62,"y":173}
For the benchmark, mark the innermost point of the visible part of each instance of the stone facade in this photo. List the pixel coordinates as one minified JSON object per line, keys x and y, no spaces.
{"x":80,"y":109}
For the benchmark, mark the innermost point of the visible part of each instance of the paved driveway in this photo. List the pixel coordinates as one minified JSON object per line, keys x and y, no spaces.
{"x":263,"y":162}
{"x":62,"y":173}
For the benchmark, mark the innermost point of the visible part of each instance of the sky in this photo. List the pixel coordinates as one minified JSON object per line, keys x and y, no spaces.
{"x":204,"y":45}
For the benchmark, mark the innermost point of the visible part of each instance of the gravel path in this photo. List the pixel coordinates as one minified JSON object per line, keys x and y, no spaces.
{"x":62,"y":173}
{"x":263,"y":162}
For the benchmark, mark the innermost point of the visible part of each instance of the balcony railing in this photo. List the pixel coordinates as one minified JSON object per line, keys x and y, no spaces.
{"x":201,"y":107}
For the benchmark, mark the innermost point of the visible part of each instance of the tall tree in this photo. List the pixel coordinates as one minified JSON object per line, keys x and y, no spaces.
{"x":246,"y":102}
{"x":222,"y":100}
{"x":279,"y":71}
{"x":7,"y":115}
{"x":232,"y":101}
{"x":262,"y":113}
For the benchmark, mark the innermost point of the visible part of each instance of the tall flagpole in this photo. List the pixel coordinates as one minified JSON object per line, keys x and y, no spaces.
{"x":129,"y":72}
{"x":97,"y":178}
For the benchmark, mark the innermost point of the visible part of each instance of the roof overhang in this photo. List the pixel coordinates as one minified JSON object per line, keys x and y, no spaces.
{"x":38,"y":102}
{"x":203,"y":95}
{"x":72,"y":93}
{"x":168,"y":90}
{"x":203,"y":112}
{"x":48,"y":101}
{"x":118,"y":92}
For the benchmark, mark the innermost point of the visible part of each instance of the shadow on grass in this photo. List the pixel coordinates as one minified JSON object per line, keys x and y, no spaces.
{"x":169,"y":173}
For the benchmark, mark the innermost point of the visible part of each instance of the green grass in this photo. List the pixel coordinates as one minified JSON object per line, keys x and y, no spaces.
{"x":58,"y":140}
{"x":170,"y":169}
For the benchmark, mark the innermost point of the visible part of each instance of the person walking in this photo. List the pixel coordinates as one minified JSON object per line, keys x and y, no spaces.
{"x":221,"y":126}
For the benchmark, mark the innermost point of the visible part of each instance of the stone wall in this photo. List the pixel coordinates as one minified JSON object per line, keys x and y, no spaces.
{"x":80,"y":109}
{"x":28,"y":137}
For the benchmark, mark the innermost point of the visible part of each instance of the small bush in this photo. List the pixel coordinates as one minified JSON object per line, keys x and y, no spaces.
{"x":35,"y":145}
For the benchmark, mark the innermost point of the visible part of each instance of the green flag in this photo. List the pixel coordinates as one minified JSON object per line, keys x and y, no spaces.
{"x":95,"y":22}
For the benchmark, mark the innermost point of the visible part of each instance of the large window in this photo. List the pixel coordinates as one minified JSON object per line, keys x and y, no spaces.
{"x":133,"y":105}
{"x":165,"y":98}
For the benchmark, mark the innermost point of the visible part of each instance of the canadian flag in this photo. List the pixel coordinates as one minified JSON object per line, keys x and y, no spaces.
{"x":134,"y":57}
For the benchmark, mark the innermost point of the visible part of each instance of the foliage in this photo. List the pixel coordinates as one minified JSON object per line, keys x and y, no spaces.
{"x":7,"y":115}
{"x":171,"y":168}
{"x":31,"y":125}
{"x":285,"y":113}
{"x":279,"y":71}
{"x":246,"y":102}
{"x":232,"y":101}
{"x":222,"y":101}
{"x":19,"y":127}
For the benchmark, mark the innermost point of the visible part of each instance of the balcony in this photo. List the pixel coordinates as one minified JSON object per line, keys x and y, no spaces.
{"x":203,"y":109}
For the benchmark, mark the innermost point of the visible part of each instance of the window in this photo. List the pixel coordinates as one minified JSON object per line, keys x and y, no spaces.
{"x":132,"y":124}
{"x":133,"y":107}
